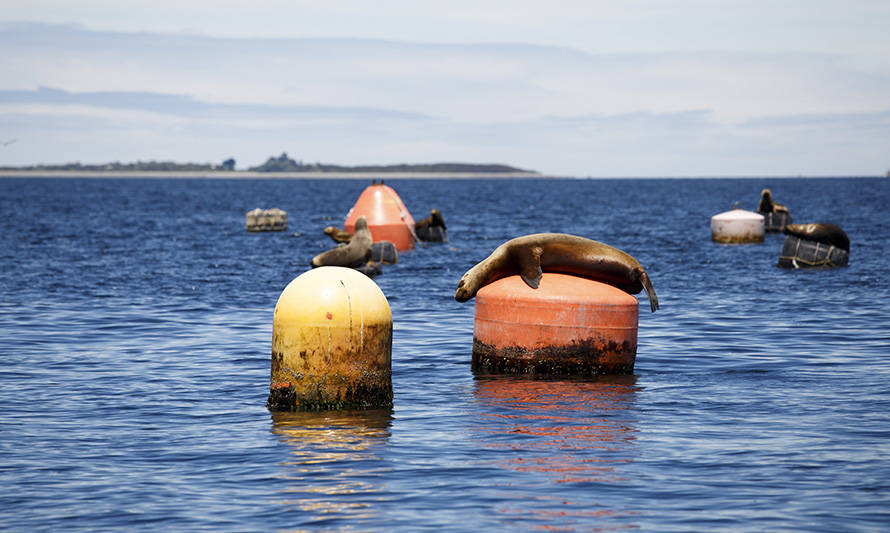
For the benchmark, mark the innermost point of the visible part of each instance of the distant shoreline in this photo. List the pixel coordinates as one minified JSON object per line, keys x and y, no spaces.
{"x":245,"y":174}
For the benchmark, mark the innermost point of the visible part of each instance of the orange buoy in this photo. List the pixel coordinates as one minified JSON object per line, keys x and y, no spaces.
{"x":567,"y":326}
{"x":388,"y":218}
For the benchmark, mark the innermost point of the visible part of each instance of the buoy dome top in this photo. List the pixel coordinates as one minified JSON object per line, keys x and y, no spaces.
{"x":560,"y":289}
{"x":738,"y":214}
{"x":380,"y":205}
{"x":561,"y":301}
{"x":332,"y":295}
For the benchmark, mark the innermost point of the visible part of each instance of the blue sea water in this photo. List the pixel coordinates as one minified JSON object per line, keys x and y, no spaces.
{"x":135,"y":343}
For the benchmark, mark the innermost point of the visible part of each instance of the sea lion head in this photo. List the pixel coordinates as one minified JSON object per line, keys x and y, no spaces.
{"x":361,"y":224}
{"x":436,"y":218}
{"x":463,"y":292}
{"x":766,"y":201}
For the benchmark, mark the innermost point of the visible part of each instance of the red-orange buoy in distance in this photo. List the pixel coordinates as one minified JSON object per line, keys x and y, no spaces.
{"x":567,"y":326}
{"x":388,"y":218}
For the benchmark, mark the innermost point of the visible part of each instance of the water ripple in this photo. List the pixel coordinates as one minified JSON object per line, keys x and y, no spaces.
{"x":135,"y":332}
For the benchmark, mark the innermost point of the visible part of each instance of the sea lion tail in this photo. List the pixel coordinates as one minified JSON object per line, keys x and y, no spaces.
{"x":650,"y":291}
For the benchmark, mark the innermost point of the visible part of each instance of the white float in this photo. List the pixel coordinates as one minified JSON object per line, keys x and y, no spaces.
{"x":266,"y":220}
{"x":737,"y":226}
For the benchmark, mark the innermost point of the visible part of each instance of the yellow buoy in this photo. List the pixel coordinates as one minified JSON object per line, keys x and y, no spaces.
{"x":331,"y":343}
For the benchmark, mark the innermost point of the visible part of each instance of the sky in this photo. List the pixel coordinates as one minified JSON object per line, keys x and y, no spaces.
{"x":570,"y":88}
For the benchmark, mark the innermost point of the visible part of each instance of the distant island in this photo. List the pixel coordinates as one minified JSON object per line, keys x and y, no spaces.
{"x":282,"y":163}
{"x":138,"y":166}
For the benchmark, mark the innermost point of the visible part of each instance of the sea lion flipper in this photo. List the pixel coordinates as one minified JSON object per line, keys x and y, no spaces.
{"x":650,"y":291}
{"x":529,"y":263}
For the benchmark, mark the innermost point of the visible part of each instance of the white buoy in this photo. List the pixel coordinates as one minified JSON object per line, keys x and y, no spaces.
{"x":737,"y":226}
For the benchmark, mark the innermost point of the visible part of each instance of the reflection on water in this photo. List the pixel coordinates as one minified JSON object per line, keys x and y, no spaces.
{"x":335,"y":470}
{"x":560,"y":431}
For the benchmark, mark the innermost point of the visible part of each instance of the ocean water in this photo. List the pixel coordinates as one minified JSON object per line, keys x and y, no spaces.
{"x":135,"y":343}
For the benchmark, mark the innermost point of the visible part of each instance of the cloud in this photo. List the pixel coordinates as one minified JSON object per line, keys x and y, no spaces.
{"x":605,"y":26}
{"x":188,"y":106}
{"x":64,"y":126}
{"x":689,"y":143}
{"x":457,"y":82}
{"x":81,"y":94}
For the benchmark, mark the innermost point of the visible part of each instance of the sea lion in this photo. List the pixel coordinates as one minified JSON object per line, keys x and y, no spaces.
{"x":338,"y":234}
{"x":432,"y":228}
{"x":818,"y":232}
{"x":356,"y":253}
{"x":767,"y":205}
{"x":435,"y":219}
{"x":530,"y":255}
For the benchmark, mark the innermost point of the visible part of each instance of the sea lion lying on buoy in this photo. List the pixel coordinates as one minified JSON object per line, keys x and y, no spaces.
{"x":818,"y":232}
{"x":435,"y":219}
{"x":338,"y":234}
{"x":767,"y":205}
{"x":432,"y":228}
{"x":530,"y":255}
{"x":356,"y":253}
